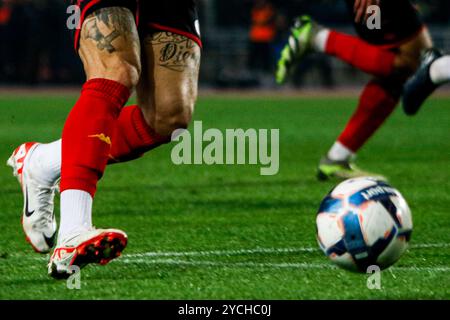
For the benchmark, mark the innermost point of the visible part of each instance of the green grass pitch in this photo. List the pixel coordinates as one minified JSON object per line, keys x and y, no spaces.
{"x":225,"y":232}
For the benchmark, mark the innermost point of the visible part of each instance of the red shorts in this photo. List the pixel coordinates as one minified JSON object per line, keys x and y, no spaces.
{"x":176,"y":16}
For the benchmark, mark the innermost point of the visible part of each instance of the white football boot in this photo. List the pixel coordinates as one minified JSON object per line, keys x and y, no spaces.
{"x":93,"y":246}
{"x":38,"y":219}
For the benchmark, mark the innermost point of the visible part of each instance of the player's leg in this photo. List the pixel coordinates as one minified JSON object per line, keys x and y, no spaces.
{"x":368,"y":51}
{"x":433,"y":72}
{"x":167,"y":91}
{"x":110,"y":52}
{"x":307,"y":36}
{"x":391,"y":69}
{"x":376,"y":103}
{"x":166,"y":96}
{"x":132,"y":135}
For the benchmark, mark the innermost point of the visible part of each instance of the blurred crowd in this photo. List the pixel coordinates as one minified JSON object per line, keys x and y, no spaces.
{"x":36,"y":47}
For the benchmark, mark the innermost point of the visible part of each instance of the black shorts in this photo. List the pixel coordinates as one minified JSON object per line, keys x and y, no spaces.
{"x":400,"y":22}
{"x":176,"y":16}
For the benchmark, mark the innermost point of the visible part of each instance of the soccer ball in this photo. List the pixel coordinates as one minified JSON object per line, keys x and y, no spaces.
{"x":364,"y":222}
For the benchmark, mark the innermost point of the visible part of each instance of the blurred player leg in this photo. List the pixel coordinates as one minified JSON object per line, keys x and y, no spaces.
{"x":407,"y":38}
{"x":307,"y":36}
{"x":377,"y":102}
{"x":433,"y":72}
{"x":366,"y":57}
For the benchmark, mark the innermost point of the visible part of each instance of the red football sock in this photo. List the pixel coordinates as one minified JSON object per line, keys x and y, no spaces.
{"x":360,"y":54}
{"x":133,"y":136}
{"x":376,"y":103}
{"x":86,"y":141}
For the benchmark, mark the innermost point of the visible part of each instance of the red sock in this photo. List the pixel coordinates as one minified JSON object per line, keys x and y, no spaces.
{"x":376,"y":103}
{"x":360,"y":54}
{"x":86,"y":141}
{"x":133,"y":136}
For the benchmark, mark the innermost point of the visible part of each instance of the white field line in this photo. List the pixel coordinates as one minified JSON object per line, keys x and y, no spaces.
{"x":236,"y":252}
{"x":223,"y":253}
{"x":280,"y":265}
{"x":153,"y":257}
{"x":232,"y":252}
{"x":430,"y":245}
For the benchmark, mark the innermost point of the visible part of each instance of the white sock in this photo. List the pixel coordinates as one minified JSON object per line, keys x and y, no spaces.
{"x":76,"y":213}
{"x":321,"y":39}
{"x":440,"y":70}
{"x":339,"y":152}
{"x":45,"y":162}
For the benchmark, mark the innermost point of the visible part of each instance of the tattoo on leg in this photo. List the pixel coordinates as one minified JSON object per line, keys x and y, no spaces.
{"x":177,"y":52}
{"x":107,"y":24}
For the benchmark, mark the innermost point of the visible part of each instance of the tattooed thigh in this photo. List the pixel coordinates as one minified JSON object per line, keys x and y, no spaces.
{"x":174,"y":52}
{"x":107,"y":27}
{"x":109,"y":46}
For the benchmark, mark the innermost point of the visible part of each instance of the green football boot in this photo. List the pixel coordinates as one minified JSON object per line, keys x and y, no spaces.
{"x":342,"y":170}
{"x":299,"y":44}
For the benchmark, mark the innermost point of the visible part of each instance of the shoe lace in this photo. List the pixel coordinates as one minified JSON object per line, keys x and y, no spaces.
{"x":44,"y":197}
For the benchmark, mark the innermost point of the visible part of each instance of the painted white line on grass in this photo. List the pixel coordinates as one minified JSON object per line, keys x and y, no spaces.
{"x":430,"y":245}
{"x":234,"y":252}
{"x":248,"y":264}
{"x":223,"y":252}
{"x":275,"y":265}
{"x":422,"y":269}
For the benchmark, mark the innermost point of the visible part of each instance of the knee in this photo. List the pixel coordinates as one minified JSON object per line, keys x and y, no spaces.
{"x":173,"y":113}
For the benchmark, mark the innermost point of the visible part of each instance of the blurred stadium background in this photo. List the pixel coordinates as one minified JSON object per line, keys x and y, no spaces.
{"x":36,"y":47}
